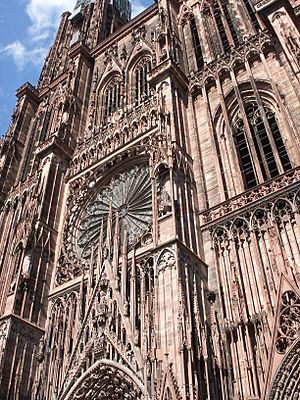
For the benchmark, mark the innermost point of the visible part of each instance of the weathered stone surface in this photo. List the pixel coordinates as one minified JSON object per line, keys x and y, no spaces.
{"x":150,"y":208}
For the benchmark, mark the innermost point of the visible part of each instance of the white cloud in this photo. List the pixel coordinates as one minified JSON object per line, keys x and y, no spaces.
{"x":17,"y":51}
{"x":45,"y":15}
{"x":22,"y":56}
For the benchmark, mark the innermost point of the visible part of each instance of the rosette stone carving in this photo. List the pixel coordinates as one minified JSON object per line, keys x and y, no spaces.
{"x":126,"y":199}
{"x":289,"y":321}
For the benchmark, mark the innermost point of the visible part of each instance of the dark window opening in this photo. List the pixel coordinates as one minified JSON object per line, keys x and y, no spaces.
{"x":263,"y":149}
{"x":142,"y":87}
{"x":211,"y":33}
{"x":266,"y":149}
{"x":284,"y":158}
{"x":247,"y":168}
{"x":221,"y":28}
{"x":196,"y":43}
{"x":112,"y":98}
{"x":258,"y":152}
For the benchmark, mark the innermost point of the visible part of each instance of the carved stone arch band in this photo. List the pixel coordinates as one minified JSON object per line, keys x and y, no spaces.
{"x":138,"y":57}
{"x":109,"y":381}
{"x":286,"y":383}
{"x":187,"y":13}
{"x":265,"y":91}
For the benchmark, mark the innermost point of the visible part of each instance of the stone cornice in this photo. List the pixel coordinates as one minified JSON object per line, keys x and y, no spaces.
{"x":54,"y":145}
{"x":237,"y":204}
{"x":80,"y":49}
{"x":167,"y":68}
{"x":23,"y":326}
{"x":29,"y":90}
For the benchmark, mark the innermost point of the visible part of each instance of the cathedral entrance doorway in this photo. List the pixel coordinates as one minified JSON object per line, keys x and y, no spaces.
{"x":107,"y":380}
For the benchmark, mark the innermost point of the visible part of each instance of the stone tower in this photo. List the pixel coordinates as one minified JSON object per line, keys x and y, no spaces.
{"x":150,"y":194}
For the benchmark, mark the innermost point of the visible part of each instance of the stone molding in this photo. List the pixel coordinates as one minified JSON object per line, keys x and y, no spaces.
{"x":265,"y":191}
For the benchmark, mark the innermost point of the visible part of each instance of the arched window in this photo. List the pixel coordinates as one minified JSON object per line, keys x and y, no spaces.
{"x":112,"y":97}
{"x":261,"y":152}
{"x":192,"y":43}
{"x":142,"y":87}
{"x":220,"y":26}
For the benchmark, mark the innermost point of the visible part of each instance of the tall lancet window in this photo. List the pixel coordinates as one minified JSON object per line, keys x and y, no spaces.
{"x":112,"y":97}
{"x":192,"y":43}
{"x":220,"y":26}
{"x":250,"y":9}
{"x":196,"y":43}
{"x":142,"y":88}
{"x":261,"y":151}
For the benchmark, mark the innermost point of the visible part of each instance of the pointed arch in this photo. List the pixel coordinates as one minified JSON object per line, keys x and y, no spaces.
{"x":109,"y":96}
{"x":138,"y":68}
{"x":283,"y":372}
{"x":286,"y":383}
{"x":255,"y":132}
{"x":169,"y":386}
{"x":107,"y":380}
{"x":135,"y":58}
{"x":165,"y":260}
{"x":191,"y":40}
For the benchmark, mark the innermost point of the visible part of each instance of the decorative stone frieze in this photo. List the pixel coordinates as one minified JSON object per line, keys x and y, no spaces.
{"x":253,"y":198}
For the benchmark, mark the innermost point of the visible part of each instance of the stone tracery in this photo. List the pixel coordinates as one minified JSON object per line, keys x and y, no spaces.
{"x":127,"y":200}
{"x":289,"y":321}
{"x":106,"y":381}
{"x":252,"y":251}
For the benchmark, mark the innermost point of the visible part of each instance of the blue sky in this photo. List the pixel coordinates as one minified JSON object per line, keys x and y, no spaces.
{"x":27,"y":29}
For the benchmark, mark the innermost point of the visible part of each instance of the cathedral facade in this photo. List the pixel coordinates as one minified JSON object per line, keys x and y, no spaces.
{"x":150,"y":207}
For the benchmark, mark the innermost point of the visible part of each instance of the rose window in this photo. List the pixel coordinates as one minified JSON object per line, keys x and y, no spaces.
{"x":128,"y":198}
{"x":289,"y":321}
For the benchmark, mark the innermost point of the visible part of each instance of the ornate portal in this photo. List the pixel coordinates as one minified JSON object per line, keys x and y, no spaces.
{"x":125,"y":204}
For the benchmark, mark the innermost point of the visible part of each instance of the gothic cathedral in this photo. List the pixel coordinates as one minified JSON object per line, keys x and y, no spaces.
{"x":150,"y":207}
